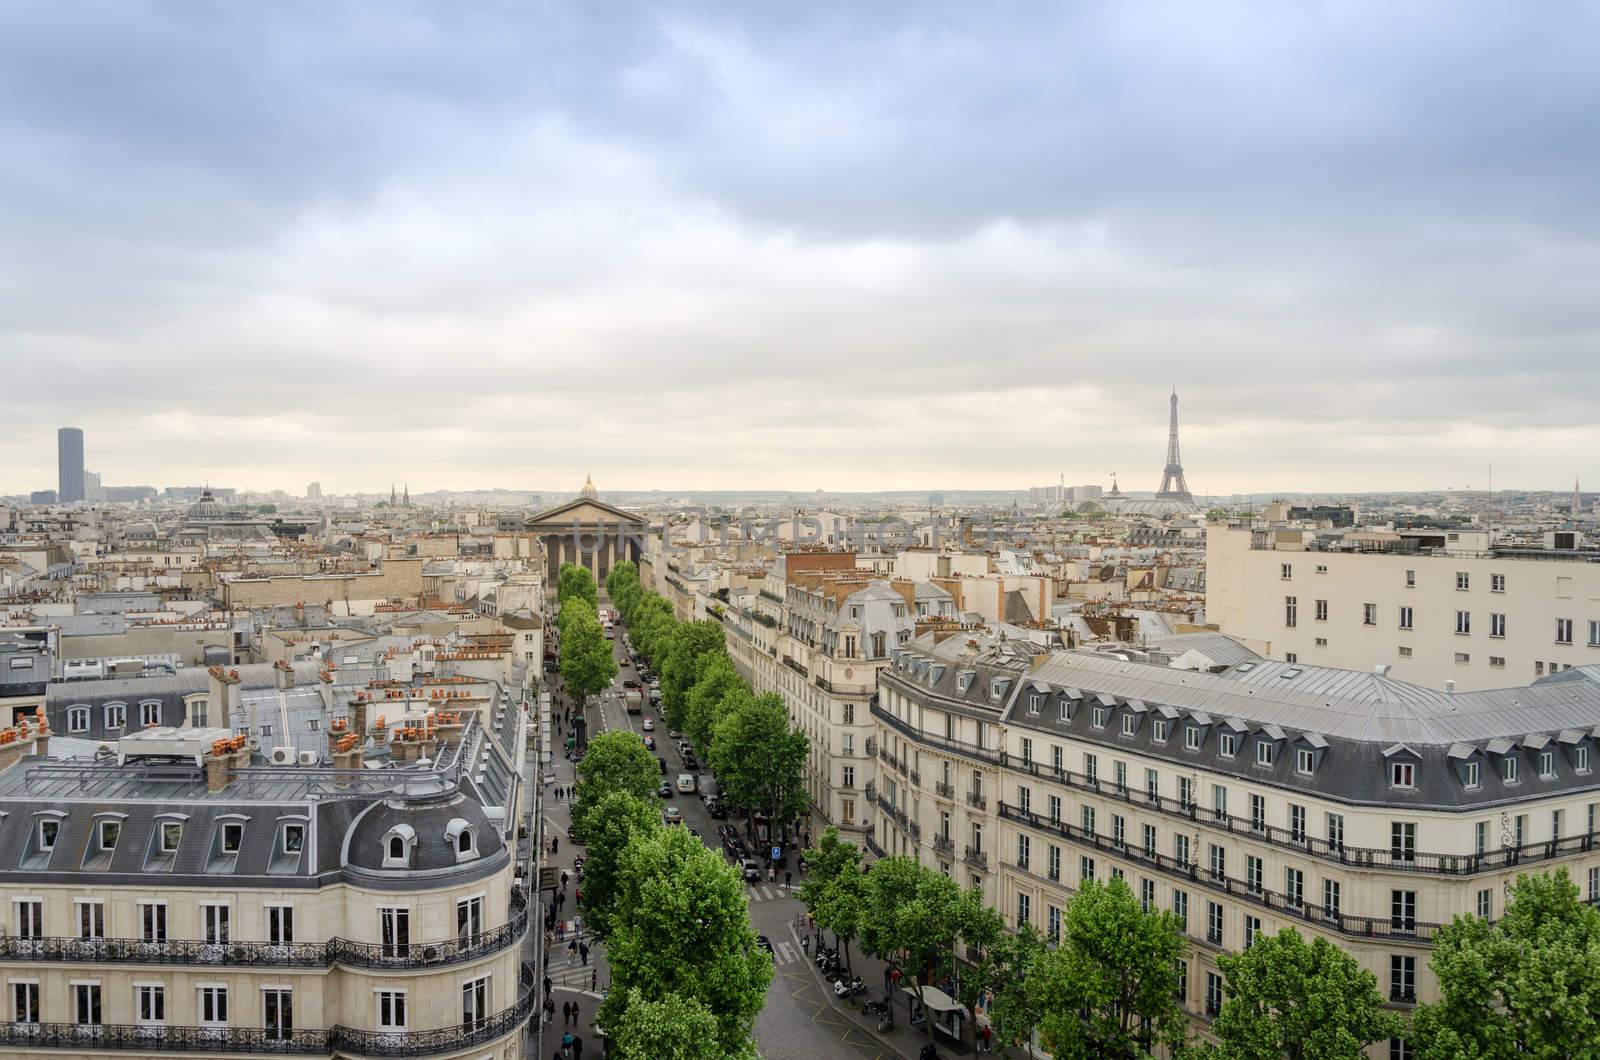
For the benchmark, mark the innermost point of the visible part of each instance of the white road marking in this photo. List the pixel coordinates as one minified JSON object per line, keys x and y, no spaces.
{"x":785,"y":954}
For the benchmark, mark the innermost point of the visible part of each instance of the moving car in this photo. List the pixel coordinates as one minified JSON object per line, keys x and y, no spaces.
{"x":650,"y":742}
{"x":750,"y":868}
{"x":686,"y":783}
{"x":649,"y":726}
{"x":665,"y":791}
{"x":663,"y":762}
{"x":672,"y":815}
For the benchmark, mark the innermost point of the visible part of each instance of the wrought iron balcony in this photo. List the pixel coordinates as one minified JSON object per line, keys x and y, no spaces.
{"x":943,"y":844}
{"x":975,"y":798}
{"x":944,"y":791}
{"x":976,"y":858}
{"x":271,"y":955}
{"x":214,"y":1041}
{"x":916,"y":778}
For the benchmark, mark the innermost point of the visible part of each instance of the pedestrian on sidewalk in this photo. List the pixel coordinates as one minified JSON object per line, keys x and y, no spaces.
{"x":572,"y":947}
{"x":988,"y":1038}
{"x":583,"y":951}
{"x":788,"y":880}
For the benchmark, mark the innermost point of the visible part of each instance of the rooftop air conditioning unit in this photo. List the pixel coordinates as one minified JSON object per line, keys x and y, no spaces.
{"x":309,"y":758}
{"x":283,"y":756}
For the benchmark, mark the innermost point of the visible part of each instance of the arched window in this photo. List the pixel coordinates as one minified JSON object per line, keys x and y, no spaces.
{"x":78,"y":719}
{"x":397,"y":848}
{"x":464,"y":842}
{"x":459,"y":834}
{"x":398,"y":844}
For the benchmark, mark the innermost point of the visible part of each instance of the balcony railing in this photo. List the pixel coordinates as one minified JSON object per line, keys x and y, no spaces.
{"x":916,"y":778}
{"x":976,"y":858}
{"x":943,"y":844}
{"x":1354,"y":926}
{"x":1387,"y":858}
{"x":212,"y":1041}
{"x":271,"y":955}
{"x":943,"y":743}
{"x":944,"y":791}
{"x":975,"y":798}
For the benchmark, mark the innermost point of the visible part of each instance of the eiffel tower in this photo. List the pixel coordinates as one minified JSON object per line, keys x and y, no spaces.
{"x":1173,"y":487}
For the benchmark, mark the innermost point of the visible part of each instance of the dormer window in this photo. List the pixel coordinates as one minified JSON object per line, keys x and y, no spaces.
{"x":171,"y":836}
{"x":116,"y":715}
{"x":1066,"y":709}
{"x":1227,"y":744}
{"x":1402,"y":774}
{"x":77,"y":719}
{"x":1266,"y":753}
{"x":1130,"y":724}
{"x":294,"y":838}
{"x":1191,"y":738}
{"x":149,"y":714}
{"x":1470,"y":777}
{"x":1580,"y":759}
{"x":1547,"y":765}
{"x":398,"y":846}
{"x":108,"y":833}
{"x":48,"y":830}
{"x":1509,"y":770}
{"x":1304,"y":761}
{"x":232,"y":837}
{"x":462,"y":840}
{"x":963,"y":681}
{"x":1035,"y":702}
{"x":1158,"y":731}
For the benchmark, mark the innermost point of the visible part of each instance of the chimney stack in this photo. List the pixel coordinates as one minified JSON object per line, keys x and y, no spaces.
{"x":282,"y":675}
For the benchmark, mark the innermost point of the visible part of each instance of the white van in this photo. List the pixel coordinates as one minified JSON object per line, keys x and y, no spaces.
{"x":686,"y":783}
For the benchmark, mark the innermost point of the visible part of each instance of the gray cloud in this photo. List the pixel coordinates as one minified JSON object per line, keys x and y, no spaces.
{"x":844,"y":246}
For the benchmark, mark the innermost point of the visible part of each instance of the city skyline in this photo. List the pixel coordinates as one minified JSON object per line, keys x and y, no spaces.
{"x":976,"y":254}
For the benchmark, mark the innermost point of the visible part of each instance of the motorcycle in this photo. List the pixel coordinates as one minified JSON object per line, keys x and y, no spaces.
{"x":846,"y":988}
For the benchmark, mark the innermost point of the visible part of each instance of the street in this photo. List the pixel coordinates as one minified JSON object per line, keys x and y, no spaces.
{"x":797,"y":1021}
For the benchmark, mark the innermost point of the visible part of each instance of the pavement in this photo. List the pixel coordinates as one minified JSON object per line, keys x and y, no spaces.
{"x":801,"y":1020}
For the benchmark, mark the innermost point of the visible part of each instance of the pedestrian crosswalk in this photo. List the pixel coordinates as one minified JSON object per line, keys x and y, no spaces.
{"x":785,"y":953}
{"x":571,"y":971}
{"x":763,"y":892}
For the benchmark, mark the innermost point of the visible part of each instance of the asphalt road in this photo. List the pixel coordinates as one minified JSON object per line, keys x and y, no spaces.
{"x":797,"y":1022}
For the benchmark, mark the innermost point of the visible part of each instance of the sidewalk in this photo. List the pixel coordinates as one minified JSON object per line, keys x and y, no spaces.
{"x":902,"y":1040}
{"x":572,"y":981}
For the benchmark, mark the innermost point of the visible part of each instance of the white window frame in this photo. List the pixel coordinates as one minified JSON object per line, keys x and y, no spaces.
{"x":1403,"y":775}
{"x":116,"y":715}
{"x":389,"y":1001}
{"x":78,"y":718}
{"x":476,"y":1011}
{"x":1305,"y":761}
{"x":1266,"y":753}
{"x":78,"y":991}
{"x":277,"y":919}
{"x":89,"y":915}
{"x":19,"y":989}
{"x":211,"y":921}
{"x":211,"y":993}
{"x":149,"y":713}
{"x":144,"y":993}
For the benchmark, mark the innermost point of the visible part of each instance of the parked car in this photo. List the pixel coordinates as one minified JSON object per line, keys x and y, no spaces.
{"x":686,"y":783}
{"x":750,"y":868}
{"x":674,"y":734}
{"x":649,"y":726}
{"x":764,"y":942}
{"x":727,"y":831}
{"x":665,"y":791}
{"x":715,"y":808}
{"x":629,"y":682}
{"x":672,"y":815}
{"x":690,"y":761}
{"x":663,"y":762}
{"x":650,"y":742}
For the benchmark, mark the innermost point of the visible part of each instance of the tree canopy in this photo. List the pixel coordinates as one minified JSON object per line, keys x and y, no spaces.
{"x":1002,"y":974}
{"x":575,"y":582}
{"x":680,"y":669}
{"x":1287,"y":999}
{"x":682,"y":926}
{"x":758,"y":758}
{"x":673,"y":1027}
{"x":1109,"y":989}
{"x":587,"y":662}
{"x":1527,"y":985}
{"x":615,"y":762}
{"x":717,"y":681}
{"x":612,"y":821}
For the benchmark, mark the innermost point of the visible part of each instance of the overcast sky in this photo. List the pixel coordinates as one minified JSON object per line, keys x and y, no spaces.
{"x":853,"y":246}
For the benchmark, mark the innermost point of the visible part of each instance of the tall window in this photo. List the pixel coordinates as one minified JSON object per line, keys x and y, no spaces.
{"x":1403,"y":910}
{"x":91,"y":918}
{"x":280,"y":924}
{"x":152,"y":921}
{"x":475,"y":1002}
{"x":1024,"y":851}
{"x":1463,"y":621}
{"x":1330,"y":898}
{"x":1180,"y":908}
{"x":391,"y":1010}
{"x":1497,"y":624}
{"x":1369,"y":614}
{"x":214,"y":922}
{"x":1291,"y":612}
{"x":1402,"y":978}
{"x":1294,"y":888}
{"x":150,"y":1003}
{"x":86,"y":1010}
{"x":1214,"y":923}
{"x":1322,"y":610}
{"x":1403,"y":840}
{"x":1563,"y":631}
{"x":213,"y":1005}
{"x":25,"y":1002}
{"x":394,"y":930}
{"x":277,"y":1012}
{"x":1405,"y":618}
{"x":1024,"y":908}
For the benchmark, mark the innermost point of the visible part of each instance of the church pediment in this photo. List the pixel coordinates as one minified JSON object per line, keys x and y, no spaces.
{"x":584,"y":511}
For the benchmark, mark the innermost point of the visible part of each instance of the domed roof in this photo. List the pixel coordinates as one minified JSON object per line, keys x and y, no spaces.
{"x":426,"y":821}
{"x":589,"y":493}
{"x":206,"y":508}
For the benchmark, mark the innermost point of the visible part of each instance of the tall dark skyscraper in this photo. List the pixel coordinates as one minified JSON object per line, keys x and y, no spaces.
{"x":69,"y":459}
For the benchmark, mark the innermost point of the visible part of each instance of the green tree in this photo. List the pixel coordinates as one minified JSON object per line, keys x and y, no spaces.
{"x":913,"y":917}
{"x":1525,"y":986}
{"x":682,"y":926}
{"x":758,"y":759}
{"x":826,"y":860}
{"x":1292,"y":1000}
{"x":718,"y":679}
{"x":651,"y":626}
{"x":681,"y":666}
{"x":575,"y":582}
{"x":1002,"y":975}
{"x":612,"y":821}
{"x":834,"y":889}
{"x":587,"y":662}
{"x":1109,"y":989}
{"x":671,"y":1028}
{"x":616,"y":762}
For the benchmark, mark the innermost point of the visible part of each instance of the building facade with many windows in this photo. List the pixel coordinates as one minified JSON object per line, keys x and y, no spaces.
{"x":1342,"y":803}
{"x":1433,"y":610}
{"x":189,"y":888}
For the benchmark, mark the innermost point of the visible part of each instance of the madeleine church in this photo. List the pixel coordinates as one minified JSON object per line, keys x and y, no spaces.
{"x":589,"y":532}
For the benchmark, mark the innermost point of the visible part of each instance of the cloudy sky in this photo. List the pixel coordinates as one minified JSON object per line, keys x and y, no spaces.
{"x":846,"y":246}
